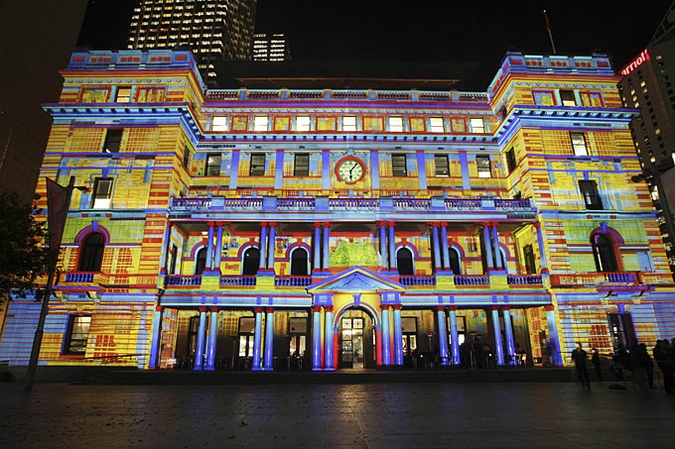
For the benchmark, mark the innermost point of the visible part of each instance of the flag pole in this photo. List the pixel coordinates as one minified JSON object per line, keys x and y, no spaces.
{"x":548,"y":28}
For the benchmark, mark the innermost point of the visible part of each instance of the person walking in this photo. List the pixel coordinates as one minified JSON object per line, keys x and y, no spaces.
{"x":579,"y":357}
{"x":595,"y":359}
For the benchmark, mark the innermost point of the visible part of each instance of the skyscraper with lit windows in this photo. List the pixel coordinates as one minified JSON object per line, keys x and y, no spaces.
{"x":214,"y":29}
{"x":270,"y":48}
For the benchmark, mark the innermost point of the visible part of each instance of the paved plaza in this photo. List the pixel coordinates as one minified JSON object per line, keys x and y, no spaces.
{"x":375,"y":415}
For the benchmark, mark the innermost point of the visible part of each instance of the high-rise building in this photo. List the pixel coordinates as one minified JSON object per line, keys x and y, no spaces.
{"x":648,"y":84}
{"x":270,"y":48}
{"x":215,"y":30}
{"x":319,"y":228}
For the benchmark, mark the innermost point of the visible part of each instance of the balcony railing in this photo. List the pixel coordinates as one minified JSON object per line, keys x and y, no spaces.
{"x":176,"y":280}
{"x":308,"y":203}
{"x":599,"y":278}
{"x":472,"y":279}
{"x":417,"y":281}
{"x":524,"y":279}
{"x":237,"y":281}
{"x":292,"y":281}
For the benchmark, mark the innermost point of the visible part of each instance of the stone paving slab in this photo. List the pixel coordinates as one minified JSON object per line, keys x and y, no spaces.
{"x":377,"y":415}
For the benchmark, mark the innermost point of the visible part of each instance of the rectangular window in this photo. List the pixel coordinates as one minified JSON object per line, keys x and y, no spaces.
{"x":398,"y":166}
{"x":579,"y":143}
{"x":477,"y":125}
{"x":219,"y":123}
{"x":589,"y":190}
{"x":511,"y":160}
{"x":123,"y":95}
{"x":257,"y":164}
{"x":78,"y":334}
{"x":349,"y":123}
{"x":260,"y":123}
{"x":301,"y":165}
{"x":567,"y":98}
{"x":483,"y":166}
{"x":436,"y":125}
{"x":213,"y":161}
{"x":303,"y":123}
{"x":102,"y":196}
{"x":187,"y":156}
{"x":442,"y":165}
{"x":396,"y":124}
{"x":528,"y":258}
{"x":112,"y":141}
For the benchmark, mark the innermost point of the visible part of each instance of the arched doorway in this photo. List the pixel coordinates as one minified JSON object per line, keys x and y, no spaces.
{"x":603,"y":251}
{"x":299,"y":262}
{"x":356,"y":340}
{"x":91,"y":252}
{"x":251,"y":261}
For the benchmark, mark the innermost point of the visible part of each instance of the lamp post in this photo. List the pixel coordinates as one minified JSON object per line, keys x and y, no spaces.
{"x":61,"y":196}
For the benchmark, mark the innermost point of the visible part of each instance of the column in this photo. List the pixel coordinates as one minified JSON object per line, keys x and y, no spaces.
{"x":508,"y":330}
{"x":383,"y":244}
{"x":262,"y":244}
{"x":219,"y":246}
{"x":444,"y":246}
{"x":454,"y":335}
{"x":326,"y":245}
{"x":328,"y":344}
{"x":386,"y":339}
{"x":442,"y":335}
{"x":392,"y":247}
{"x":378,"y":343}
{"x":164,"y":257}
{"x":316,"y":247}
{"x":542,"y":252}
{"x":554,"y":347}
{"x":269,"y":340}
{"x":272,"y":243}
{"x":437,"y":247}
{"x":209,"y":248}
{"x":211,"y":343}
{"x":499,"y":346}
{"x":495,"y":242}
{"x":156,"y":342}
{"x":487,"y":245}
{"x":257,"y":340}
{"x":398,"y":335}
{"x":316,"y":338}
{"x":201,"y":336}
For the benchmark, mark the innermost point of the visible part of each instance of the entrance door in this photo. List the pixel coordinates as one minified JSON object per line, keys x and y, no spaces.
{"x":356,"y":341}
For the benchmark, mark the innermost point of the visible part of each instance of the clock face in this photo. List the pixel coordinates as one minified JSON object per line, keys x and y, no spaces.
{"x":350,"y":170}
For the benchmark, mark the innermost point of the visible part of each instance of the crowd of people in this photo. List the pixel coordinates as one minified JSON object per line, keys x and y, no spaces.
{"x":636,"y":360}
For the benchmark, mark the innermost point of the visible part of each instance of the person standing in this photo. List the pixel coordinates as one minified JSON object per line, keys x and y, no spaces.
{"x":579,"y":356}
{"x":595,"y":359}
{"x":664,"y":361}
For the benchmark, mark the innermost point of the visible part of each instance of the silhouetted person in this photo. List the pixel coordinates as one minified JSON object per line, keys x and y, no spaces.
{"x":579,"y":356}
{"x":639,"y":361}
{"x":595,"y":359}
{"x":621,"y":361}
{"x":664,"y":360}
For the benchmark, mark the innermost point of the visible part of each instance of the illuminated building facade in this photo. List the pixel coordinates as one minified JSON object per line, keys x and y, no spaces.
{"x":270,"y":48}
{"x":214,"y":29}
{"x":330,"y":229}
{"x":646,"y":85}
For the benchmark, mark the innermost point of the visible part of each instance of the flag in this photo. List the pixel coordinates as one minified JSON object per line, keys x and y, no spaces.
{"x":548,"y":23}
{"x":57,"y":211}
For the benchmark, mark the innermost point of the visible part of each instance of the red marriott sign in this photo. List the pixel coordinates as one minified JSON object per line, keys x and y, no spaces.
{"x":635,"y":63}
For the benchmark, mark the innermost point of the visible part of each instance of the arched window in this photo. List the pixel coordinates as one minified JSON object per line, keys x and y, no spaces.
{"x":200,"y":261}
{"x":91,"y":252}
{"x":455,"y":266}
{"x":251,"y":261}
{"x":404,"y":261}
{"x":299,"y":262}
{"x":603,"y":252}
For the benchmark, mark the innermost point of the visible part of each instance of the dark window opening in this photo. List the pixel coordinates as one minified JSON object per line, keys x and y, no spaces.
{"x":112,"y":141}
{"x":603,"y":252}
{"x":91,"y":255}
{"x":213,"y":162}
{"x":78,"y":334}
{"x":442,"y":165}
{"x":589,"y":190}
{"x":299,"y":262}
{"x":454,"y":261}
{"x":404,"y":261}
{"x":398,"y":166}
{"x":301,"y":165}
{"x":511,"y":160}
{"x":528,"y":258}
{"x":257,"y":164}
{"x":251,"y":261}
{"x":200,"y":263}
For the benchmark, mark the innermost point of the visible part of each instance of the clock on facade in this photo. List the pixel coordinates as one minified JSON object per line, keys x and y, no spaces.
{"x":350,"y":170}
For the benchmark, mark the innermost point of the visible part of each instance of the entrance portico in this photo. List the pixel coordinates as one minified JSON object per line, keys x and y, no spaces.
{"x":362,"y":289}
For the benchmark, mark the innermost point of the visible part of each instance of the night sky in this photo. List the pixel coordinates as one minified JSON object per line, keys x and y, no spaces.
{"x":441,"y":30}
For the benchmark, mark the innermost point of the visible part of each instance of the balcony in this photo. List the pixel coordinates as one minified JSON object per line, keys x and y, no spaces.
{"x":617,"y":278}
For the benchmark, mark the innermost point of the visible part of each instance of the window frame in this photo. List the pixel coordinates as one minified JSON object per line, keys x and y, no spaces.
{"x":112,"y":141}
{"x":218,"y":125}
{"x":567,"y":97}
{"x":486,"y":170}
{"x":579,"y":148}
{"x":300,"y":124}
{"x":261,"y":123}
{"x":398,"y":165}
{"x":349,"y":127}
{"x":477,"y":129}
{"x":90,"y":258}
{"x":102,"y":198}
{"x":257,"y":168}
{"x":211,"y":169}
{"x":396,"y":127}
{"x":439,"y":171}
{"x":590,"y":194}
{"x":436,"y":125}
{"x":301,"y":164}
{"x":123,"y":98}
{"x":511,"y":161}
{"x":68,"y":347}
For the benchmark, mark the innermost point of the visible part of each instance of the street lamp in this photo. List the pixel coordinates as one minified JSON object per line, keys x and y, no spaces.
{"x":58,"y":201}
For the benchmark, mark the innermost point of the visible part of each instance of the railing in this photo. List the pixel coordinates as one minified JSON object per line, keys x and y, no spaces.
{"x":182,"y":280}
{"x":237,"y":281}
{"x":463,"y":204}
{"x":415,"y":281}
{"x":79,"y":277}
{"x":308,"y":203}
{"x":292,"y":281}
{"x":191,"y":203}
{"x":411,"y":204}
{"x":354,"y":203}
{"x":472,"y":279}
{"x":524,"y":279}
{"x":599,"y":278}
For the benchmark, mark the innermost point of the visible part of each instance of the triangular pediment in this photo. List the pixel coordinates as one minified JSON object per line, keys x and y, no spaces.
{"x":355,"y":280}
